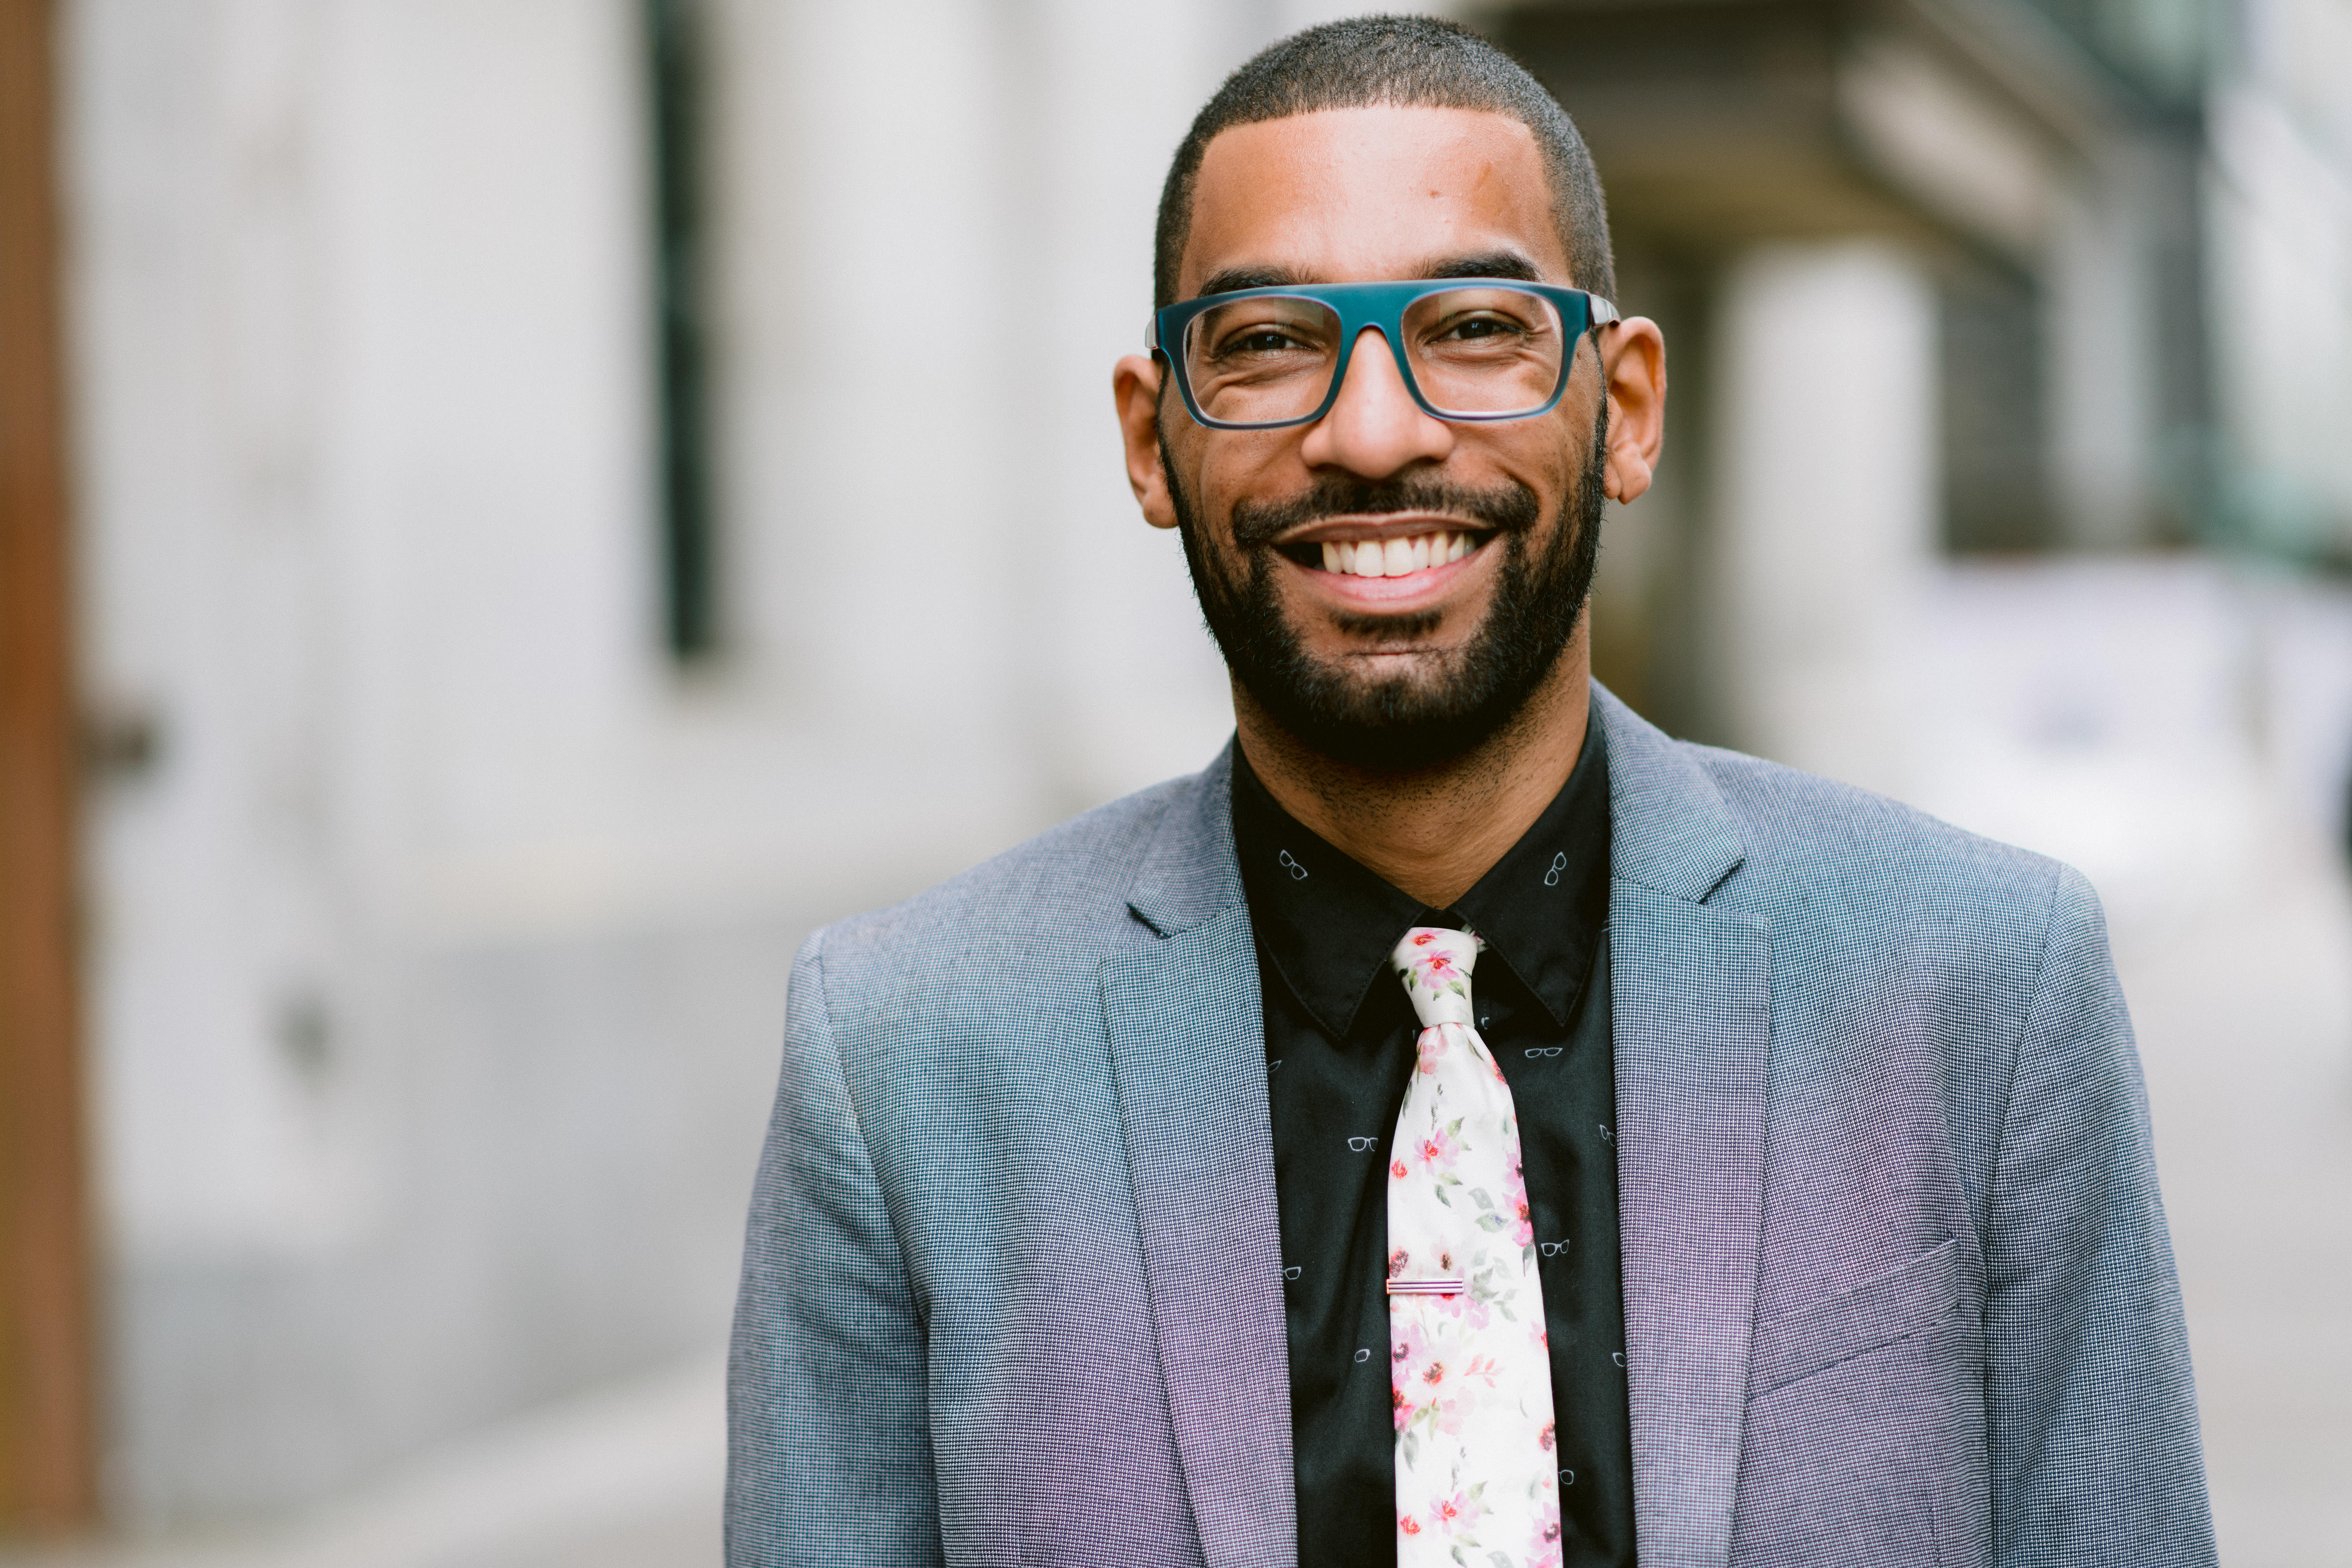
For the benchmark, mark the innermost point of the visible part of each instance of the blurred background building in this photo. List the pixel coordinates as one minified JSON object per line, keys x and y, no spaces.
{"x":563,"y":496}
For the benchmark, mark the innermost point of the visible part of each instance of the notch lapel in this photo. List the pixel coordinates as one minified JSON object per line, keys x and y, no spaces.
{"x":1691,"y":1016}
{"x":1188,"y":1045}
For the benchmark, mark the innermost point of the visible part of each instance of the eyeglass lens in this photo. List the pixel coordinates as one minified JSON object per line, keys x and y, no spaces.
{"x":1485,"y":352}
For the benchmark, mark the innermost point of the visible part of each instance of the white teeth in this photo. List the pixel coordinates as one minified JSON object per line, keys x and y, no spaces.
{"x":1395,"y":557}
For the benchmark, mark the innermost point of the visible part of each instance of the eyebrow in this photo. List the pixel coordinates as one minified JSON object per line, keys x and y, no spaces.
{"x":1479,"y":264}
{"x":1486,"y":264}
{"x":1236,"y":278}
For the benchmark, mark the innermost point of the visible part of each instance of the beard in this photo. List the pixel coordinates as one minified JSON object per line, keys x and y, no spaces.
{"x":1404,"y":723}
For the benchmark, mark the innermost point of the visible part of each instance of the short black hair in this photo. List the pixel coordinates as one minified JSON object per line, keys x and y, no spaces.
{"x":1418,"y":61}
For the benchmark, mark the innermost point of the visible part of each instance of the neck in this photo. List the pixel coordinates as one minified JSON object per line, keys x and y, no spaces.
{"x":1434,"y":832}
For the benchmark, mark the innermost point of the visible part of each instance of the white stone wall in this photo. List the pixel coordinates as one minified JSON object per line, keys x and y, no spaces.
{"x":438,"y":955}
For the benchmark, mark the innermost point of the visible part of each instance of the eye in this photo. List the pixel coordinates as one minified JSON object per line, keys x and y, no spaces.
{"x":1262,"y":340}
{"x":1257,"y":341}
{"x":1486,"y":326}
{"x":1251,"y":334}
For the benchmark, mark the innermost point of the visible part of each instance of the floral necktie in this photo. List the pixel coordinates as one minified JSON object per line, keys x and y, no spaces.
{"x":1477,"y":1477}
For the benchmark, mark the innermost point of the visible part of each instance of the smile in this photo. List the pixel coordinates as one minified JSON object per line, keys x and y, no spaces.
{"x":1396,"y":557}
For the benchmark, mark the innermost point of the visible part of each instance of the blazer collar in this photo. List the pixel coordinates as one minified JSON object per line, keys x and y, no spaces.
{"x":1669,"y":826}
{"x":1188,"y":872}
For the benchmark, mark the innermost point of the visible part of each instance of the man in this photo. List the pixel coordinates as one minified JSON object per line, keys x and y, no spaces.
{"x":1746,"y":1169}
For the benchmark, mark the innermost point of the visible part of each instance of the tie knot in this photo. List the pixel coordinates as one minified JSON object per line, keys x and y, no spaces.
{"x":1434,"y":964}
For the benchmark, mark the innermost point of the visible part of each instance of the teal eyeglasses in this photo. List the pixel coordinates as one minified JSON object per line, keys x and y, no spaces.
{"x":1468,"y":348}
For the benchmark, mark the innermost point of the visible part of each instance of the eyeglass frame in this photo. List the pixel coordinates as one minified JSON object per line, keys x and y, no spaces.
{"x":1380,"y":306}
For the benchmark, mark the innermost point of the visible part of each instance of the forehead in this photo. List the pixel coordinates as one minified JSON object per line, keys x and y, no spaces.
{"x":1386,"y":191}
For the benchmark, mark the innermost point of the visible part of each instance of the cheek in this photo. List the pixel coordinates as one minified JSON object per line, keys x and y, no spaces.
{"x":1250,"y":465}
{"x":1219,"y":469}
{"x":1552,"y":461}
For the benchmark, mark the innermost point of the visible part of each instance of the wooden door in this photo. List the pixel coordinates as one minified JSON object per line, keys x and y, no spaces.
{"x":48,"y":1447}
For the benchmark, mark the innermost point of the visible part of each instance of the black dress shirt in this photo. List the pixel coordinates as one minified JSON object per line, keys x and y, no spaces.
{"x":1340,"y":1033}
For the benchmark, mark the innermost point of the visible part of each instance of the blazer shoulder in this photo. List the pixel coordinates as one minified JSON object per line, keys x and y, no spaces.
{"x":1064,"y":889}
{"x":1827,"y":844}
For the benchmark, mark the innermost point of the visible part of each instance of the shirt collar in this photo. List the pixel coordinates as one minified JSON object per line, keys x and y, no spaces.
{"x":1328,"y":925}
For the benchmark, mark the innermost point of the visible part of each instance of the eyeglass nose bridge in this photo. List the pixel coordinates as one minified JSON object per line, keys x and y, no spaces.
{"x":1352,"y":332}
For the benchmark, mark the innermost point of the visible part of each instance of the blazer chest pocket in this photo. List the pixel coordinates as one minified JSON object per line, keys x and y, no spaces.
{"x":1853,"y":1323}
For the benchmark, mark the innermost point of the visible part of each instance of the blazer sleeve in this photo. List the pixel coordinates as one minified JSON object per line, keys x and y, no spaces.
{"x":2091,"y":1414}
{"x":829,"y":1455}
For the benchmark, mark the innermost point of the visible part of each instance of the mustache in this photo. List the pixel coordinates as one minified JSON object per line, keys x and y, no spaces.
{"x":1507,"y":508}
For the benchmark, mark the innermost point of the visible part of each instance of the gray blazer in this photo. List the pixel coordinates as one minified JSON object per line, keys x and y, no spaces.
{"x":1898,"y":1285}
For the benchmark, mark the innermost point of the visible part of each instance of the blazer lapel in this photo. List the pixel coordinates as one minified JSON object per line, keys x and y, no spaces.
{"x":1691,"y":999}
{"x":1188,"y":1044}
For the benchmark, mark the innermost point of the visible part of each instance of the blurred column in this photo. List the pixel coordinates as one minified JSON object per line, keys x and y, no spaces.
{"x":1823,"y":503}
{"x":1125,"y":688}
{"x":2100,"y":373}
{"x":47,"y":1472}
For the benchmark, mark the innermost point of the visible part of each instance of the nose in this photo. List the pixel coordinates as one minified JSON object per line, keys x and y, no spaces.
{"x":1375,"y":428}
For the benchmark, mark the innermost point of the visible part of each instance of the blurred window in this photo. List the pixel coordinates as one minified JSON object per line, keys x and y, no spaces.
{"x":688,"y":554}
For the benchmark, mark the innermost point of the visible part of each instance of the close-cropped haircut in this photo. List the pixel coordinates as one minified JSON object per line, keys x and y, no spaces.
{"x":1417,"y":61}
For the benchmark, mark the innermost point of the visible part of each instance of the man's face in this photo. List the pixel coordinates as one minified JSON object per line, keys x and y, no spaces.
{"x":1416,"y":661}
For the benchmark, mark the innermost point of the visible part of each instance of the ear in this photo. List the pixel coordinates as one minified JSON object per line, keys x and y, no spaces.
{"x":1135,"y":388}
{"x":1633,"y":367}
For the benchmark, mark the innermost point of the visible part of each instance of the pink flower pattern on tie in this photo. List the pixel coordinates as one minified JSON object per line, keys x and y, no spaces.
{"x":1477,"y":1478}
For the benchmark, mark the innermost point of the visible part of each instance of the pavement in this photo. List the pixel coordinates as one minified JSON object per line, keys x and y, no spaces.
{"x":621,"y":1477}
{"x":2245,"y":1024}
